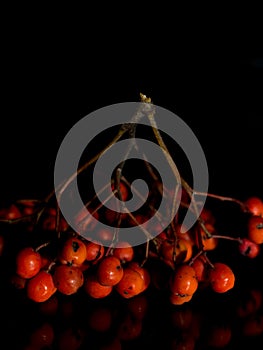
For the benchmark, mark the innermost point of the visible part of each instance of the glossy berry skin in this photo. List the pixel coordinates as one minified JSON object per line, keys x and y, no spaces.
{"x":254,"y":206}
{"x":110,"y":271}
{"x":124,"y":252}
{"x":68,"y":279}
{"x":131,"y":283}
{"x":208,"y":243}
{"x":73,"y":251}
{"x":94,"y":289}
{"x":177,"y":299}
{"x":40,"y":287}
{"x":221,"y":277}
{"x":94,"y":251}
{"x":28,"y":262}
{"x":249,"y":248}
{"x":143,"y":272}
{"x":199,"y":266}
{"x":255,"y":229}
{"x":184,"y":281}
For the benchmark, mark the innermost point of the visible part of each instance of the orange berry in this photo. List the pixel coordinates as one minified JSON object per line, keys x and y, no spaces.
{"x":94,"y":289}
{"x":221,"y":277}
{"x":254,"y":205}
{"x":28,"y":262}
{"x":110,"y":271}
{"x":123,"y":251}
{"x":255,"y":229}
{"x":183,"y":280}
{"x":131,"y":283}
{"x":73,"y":251}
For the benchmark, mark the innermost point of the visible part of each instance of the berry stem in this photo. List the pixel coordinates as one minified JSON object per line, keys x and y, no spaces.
{"x":237,"y":239}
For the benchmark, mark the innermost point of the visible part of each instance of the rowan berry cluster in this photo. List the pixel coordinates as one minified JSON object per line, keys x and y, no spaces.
{"x":69,"y":261}
{"x":50,"y":257}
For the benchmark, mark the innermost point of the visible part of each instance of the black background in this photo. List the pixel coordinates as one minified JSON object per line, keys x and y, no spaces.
{"x":51,"y":78}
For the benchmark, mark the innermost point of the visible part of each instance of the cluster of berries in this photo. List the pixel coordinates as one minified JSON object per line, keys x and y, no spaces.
{"x":68,"y":261}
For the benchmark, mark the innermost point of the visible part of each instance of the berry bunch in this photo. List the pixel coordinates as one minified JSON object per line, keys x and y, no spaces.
{"x":52,"y":257}
{"x":68,"y":262}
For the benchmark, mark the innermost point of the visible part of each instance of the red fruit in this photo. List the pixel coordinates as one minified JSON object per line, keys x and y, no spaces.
{"x":49,"y":222}
{"x":94,"y":251}
{"x":68,"y":279}
{"x":255,"y":229}
{"x":73,"y":251}
{"x":208,"y":243}
{"x":249,"y":248}
{"x":94,"y":289}
{"x":28,"y":262}
{"x":221,"y":277}
{"x":207,"y":216}
{"x":143,"y":272}
{"x":28,"y":206}
{"x":105,"y":234}
{"x":131,"y":283}
{"x":254,"y":205}
{"x":199,"y":265}
{"x":10,"y":213}
{"x":41,"y":287}
{"x":86,"y":220}
{"x":110,"y":271}
{"x":183,"y":280}
{"x":123,"y":251}
{"x":177,"y":299}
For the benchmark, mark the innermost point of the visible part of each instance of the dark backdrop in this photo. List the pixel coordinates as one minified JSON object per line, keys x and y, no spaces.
{"x":213,"y":81}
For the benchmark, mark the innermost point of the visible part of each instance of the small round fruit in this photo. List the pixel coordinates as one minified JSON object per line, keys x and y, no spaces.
{"x":143,"y":272}
{"x":94,"y":289}
{"x":28,"y":262}
{"x":40,"y":287}
{"x":221,"y":277}
{"x":200,"y":268}
{"x":110,"y":271}
{"x":73,"y":251}
{"x":208,"y":243}
{"x":131,"y":283}
{"x":255,"y":229}
{"x":94,"y":251}
{"x":68,"y":279}
{"x":249,"y":248}
{"x":184,"y":280}
{"x":177,"y":299}
{"x":123,"y":251}
{"x":254,"y":205}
